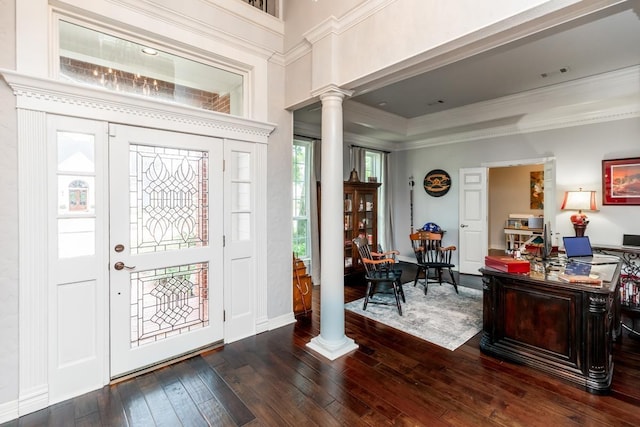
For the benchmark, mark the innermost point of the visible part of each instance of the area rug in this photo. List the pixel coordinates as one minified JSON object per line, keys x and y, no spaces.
{"x":441,"y":317}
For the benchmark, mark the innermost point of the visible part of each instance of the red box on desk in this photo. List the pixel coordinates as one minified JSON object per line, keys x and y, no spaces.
{"x":507,"y":264}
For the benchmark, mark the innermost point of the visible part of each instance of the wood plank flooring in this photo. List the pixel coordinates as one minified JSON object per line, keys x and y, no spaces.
{"x":273,"y":379}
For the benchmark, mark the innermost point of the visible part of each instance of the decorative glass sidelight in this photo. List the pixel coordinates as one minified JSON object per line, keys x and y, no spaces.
{"x":240,"y":172}
{"x":76,"y":187}
{"x":169,"y":199}
{"x":168,"y":301}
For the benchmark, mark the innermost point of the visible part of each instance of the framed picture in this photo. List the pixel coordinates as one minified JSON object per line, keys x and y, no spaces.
{"x":536,"y":190}
{"x":621,"y":181}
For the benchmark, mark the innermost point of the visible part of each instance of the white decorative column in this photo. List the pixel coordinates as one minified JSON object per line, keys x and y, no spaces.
{"x":332,"y":342}
{"x":33,"y":267}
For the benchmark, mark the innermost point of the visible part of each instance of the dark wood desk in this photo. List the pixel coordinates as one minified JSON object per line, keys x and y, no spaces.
{"x":561,"y":328}
{"x":629,"y":282}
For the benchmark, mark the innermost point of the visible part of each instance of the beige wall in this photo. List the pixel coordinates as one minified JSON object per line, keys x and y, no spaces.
{"x":508,"y":194}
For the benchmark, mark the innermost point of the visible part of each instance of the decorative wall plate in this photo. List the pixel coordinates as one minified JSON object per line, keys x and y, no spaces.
{"x":437,"y":183}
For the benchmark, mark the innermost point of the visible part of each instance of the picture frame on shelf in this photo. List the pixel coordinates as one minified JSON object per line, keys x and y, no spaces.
{"x":621,"y":181}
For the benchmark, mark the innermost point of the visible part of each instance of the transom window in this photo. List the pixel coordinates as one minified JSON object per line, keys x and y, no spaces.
{"x":92,"y":57}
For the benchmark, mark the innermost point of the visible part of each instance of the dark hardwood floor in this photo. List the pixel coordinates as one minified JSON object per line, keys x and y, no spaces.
{"x":272,"y":379}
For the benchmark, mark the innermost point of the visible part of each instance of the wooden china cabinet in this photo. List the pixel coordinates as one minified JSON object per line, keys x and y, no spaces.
{"x":360,"y":219}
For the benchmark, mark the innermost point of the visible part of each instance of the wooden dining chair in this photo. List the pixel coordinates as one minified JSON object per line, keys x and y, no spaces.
{"x":380,"y":275}
{"x":432,"y":258}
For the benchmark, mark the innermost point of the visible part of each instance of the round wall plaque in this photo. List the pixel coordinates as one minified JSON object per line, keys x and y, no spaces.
{"x":437,"y":183}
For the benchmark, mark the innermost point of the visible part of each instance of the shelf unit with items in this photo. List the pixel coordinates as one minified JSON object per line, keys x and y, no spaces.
{"x":360,"y":219}
{"x":518,"y":230}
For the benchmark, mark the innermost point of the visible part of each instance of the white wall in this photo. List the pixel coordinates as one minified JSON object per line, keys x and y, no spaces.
{"x":8,"y":217}
{"x":579,"y":151}
{"x":279,"y":223}
{"x":216,"y":33}
{"x":353,"y":43}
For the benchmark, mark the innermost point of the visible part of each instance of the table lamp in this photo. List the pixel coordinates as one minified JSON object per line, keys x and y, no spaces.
{"x":579,"y":201}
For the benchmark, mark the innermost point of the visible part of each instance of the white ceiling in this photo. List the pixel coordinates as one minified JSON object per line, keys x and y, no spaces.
{"x":592,"y":46}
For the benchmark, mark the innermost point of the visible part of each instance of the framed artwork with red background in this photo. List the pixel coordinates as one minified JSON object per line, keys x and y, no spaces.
{"x":621,"y":181}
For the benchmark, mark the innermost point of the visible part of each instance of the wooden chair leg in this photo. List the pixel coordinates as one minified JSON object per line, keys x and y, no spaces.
{"x":418,"y":270}
{"x":367,"y":295}
{"x":453,"y":281}
{"x":395,"y":293}
{"x":401,"y":290}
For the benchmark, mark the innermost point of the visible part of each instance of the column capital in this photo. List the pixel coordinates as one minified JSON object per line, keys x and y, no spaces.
{"x":331,"y":90}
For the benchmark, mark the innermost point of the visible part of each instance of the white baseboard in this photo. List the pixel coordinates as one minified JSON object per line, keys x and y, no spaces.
{"x":37,"y":398}
{"x":280,"y":321}
{"x":8,"y":411}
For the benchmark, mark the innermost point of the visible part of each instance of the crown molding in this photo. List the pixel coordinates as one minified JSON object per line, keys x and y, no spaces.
{"x":589,"y":90}
{"x":329,"y":26}
{"x":52,"y":96}
{"x":300,"y":50}
{"x":531,"y":123}
{"x":365,"y":115}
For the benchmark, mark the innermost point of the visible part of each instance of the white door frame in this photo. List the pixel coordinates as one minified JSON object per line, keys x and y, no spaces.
{"x":549,"y":164}
{"x":549,"y":199}
{"x":35,"y":99}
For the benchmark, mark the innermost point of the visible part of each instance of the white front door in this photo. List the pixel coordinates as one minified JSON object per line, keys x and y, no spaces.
{"x":473,"y":220}
{"x":165,"y":245}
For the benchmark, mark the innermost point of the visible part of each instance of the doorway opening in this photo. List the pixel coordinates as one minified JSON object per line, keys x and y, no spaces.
{"x":518,"y":191}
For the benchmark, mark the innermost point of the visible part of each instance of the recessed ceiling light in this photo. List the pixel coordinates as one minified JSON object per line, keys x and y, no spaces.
{"x":149,"y":51}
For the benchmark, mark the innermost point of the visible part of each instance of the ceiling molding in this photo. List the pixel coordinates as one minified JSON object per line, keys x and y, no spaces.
{"x":300,"y":50}
{"x":330,"y":26}
{"x":528,"y":124}
{"x":598,"y":88}
{"x":364,"y":115}
{"x":606,"y":97}
{"x":532,"y":21}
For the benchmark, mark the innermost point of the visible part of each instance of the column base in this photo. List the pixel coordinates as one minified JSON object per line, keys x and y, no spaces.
{"x":334,"y":349}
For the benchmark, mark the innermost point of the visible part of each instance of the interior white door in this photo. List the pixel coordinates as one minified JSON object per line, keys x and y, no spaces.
{"x":474,"y":234}
{"x":166,"y":202}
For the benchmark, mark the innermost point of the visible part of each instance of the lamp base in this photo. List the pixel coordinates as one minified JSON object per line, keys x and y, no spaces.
{"x":579,"y":229}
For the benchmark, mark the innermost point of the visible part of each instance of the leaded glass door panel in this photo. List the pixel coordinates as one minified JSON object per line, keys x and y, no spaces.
{"x":165,"y":245}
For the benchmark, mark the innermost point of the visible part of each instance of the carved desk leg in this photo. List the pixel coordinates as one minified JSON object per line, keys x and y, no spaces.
{"x":599,"y":360}
{"x":488,"y":313}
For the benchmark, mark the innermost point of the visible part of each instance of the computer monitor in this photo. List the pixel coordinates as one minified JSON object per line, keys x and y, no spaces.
{"x":547,"y":244}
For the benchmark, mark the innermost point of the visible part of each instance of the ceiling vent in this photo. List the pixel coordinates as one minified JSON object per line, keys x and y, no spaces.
{"x":559,"y":71}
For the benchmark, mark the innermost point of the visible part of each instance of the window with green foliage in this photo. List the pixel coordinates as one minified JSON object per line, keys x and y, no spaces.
{"x":373,"y":165}
{"x":301,"y":183}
